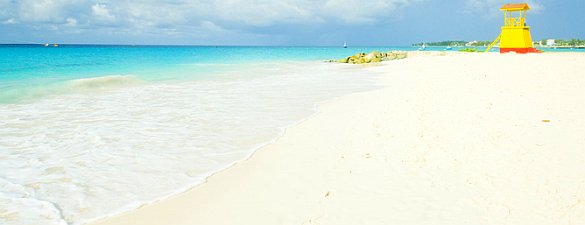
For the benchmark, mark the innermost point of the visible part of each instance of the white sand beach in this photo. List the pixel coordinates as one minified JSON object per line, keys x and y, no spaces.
{"x":455,"y":139}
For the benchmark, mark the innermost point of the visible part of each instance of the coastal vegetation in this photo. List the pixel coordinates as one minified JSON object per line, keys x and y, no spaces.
{"x":455,"y":43}
{"x":566,"y":43}
{"x":469,"y":50}
{"x":372,"y":57}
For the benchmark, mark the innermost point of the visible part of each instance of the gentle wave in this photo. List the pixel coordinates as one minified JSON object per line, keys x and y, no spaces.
{"x":102,"y":83}
{"x":32,"y":92}
{"x":74,"y":158}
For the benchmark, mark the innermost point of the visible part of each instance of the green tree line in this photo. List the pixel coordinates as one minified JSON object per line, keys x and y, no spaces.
{"x":558,"y":42}
{"x":569,"y":43}
{"x":455,"y":43}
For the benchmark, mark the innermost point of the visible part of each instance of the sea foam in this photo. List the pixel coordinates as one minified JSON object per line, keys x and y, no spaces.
{"x":101,"y":83}
{"x":33,"y":92}
{"x":76,"y":157}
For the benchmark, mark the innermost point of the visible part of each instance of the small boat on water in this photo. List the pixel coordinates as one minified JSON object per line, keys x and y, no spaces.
{"x":423,"y":47}
{"x":448,"y":48}
{"x":344,"y":44}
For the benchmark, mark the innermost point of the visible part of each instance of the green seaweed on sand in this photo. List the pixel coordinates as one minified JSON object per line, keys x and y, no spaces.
{"x":469,"y":50}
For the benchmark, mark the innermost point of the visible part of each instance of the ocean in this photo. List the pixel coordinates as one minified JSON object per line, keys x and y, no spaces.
{"x":28,"y":72}
{"x":91,"y":131}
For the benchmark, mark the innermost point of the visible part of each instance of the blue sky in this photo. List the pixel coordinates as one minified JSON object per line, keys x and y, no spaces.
{"x":275,"y":22}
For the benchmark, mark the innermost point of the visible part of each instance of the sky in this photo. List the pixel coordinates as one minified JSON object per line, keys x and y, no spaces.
{"x":276,"y":22}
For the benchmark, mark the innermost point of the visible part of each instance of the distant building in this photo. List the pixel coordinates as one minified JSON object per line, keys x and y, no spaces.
{"x":471,"y":43}
{"x":550,"y":42}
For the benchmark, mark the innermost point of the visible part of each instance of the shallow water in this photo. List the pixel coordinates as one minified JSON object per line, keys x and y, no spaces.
{"x":82,"y":147}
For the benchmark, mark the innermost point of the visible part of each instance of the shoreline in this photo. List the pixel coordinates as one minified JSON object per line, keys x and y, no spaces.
{"x":196,"y":132}
{"x":231,"y":175}
{"x":282,"y":131}
{"x":190,"y":187}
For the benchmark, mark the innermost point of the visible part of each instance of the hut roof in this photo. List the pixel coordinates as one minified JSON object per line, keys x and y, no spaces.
{"x":515,"y":7}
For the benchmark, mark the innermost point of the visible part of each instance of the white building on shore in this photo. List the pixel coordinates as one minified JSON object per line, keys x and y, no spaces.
{"x":550,"y":42}
{"x":471,"y":43}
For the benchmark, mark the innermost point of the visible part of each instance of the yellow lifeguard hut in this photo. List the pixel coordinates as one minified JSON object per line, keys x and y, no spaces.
{"x":515,"y":36}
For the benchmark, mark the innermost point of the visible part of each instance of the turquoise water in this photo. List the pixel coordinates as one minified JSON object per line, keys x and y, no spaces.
{"x":32,"y":71}
{"x":26,"y":62}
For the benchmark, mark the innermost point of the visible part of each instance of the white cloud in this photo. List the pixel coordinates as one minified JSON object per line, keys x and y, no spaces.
{"x":246,"y":12}
{"x":44,"y":11}
{"x":9,"y":21}
{"x":358,"y":11}
{"x":268,"y":12}
{"x":101,"y":12}
{"x":71,"y":22}
{"x":491,"y":8}
{"x":210,"y":26}
{"x":265,"y":12}
{"x":192,"y":17}
{"x":4,"y":8}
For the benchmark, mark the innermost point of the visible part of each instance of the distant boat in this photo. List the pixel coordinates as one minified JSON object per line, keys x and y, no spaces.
{"x":423,"y":47}
{"x":46,"y":45}
{"x":55,"y":45}
{"x":344,"y":44}
{"x":448,"y":48}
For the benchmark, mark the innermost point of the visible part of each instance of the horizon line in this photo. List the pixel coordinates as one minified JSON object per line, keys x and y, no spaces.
{"x":203,"y":45}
